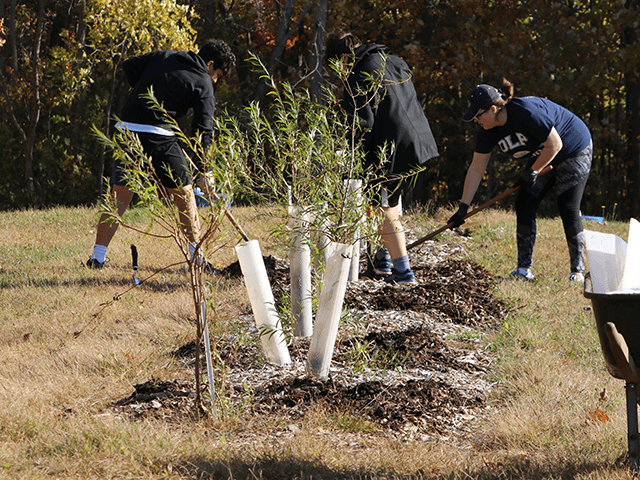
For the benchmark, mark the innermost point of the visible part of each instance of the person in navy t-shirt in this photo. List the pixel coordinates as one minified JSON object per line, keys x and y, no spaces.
{"x":537,"y":132}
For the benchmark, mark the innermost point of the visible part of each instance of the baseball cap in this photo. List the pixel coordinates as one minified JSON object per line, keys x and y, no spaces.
{"x":481,"y":98}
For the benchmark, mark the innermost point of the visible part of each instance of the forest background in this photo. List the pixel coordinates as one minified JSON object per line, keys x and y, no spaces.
{"x":60,"y":73}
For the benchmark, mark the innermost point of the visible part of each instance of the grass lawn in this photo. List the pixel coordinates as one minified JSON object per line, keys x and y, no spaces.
{"x":68,"y":351}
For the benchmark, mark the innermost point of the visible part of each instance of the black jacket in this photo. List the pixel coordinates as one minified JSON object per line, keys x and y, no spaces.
{"x":391,"y":113}
{"x":180,"y":81}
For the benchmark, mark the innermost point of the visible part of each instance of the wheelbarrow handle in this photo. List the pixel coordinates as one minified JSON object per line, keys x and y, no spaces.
{"x":473,"y":212}
{"x":621,"y":354}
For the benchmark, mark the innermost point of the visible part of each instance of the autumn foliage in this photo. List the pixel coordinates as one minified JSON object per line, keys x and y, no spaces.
{"x":582,"y":54}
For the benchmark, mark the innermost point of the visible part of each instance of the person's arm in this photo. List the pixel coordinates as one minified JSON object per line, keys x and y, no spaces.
{"x":203,"y":109}
{"x":471,"y":183}
{"x":474,"y":176}
{"x":357,"y":103}
{"x":550,"y":148}
{"x":134,"y":67}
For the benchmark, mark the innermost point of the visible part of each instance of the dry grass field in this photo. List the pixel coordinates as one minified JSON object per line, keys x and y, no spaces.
{"x":77,"y":346}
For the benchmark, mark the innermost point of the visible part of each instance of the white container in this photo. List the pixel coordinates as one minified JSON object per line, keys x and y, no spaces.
{"x":329,"y":310}
{"x":262,"y":302}
{"x":606,"y":255}
{"x":300,"y":272}
{"x":613,"y":264}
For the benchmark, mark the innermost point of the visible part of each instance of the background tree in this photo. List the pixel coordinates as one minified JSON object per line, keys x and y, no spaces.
{"x":581,"y":54}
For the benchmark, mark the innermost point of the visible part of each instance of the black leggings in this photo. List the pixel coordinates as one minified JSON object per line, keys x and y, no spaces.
{"x":527,"y":204}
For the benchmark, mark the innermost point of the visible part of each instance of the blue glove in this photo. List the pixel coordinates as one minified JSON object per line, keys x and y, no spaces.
{"x":458,"y":218}
{"x":528,"y":178}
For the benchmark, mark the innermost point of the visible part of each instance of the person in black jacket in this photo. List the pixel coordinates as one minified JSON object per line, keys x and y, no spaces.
{"x":387,"y":112}
{"x":180,"y":81}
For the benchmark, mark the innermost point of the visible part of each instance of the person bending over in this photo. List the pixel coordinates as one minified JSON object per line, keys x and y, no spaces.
{"x":180,"y":81}
{"x":390,"y":114}
{"x":537,"y":132}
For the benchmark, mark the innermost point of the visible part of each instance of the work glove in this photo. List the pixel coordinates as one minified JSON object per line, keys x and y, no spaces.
{"x":206,"y":181}
{"x":528,"y":178}
{"x":458,"y":218}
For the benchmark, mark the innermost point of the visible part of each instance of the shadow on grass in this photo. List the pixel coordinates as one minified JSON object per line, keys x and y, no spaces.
{"x":524,"y":468}
{"x":271,"y":468}
{"x":298,"y":469}
{"x":160,"y":284}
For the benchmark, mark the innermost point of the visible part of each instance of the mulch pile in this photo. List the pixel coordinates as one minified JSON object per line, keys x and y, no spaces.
{"x":417,"y":368}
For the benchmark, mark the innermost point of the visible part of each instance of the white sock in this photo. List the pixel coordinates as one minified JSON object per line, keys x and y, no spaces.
{"x":99,"y":253}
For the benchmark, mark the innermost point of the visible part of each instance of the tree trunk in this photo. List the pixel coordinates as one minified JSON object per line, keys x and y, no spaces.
{"x":35,"y":100}
{"x":320,"y":30}
{"x":632,"y":87}
{"x":13,"y":42}
{"x":282,"y":35}
{"x":77,"y":112}
{"x":107,"y":122}
{"x":427,"y":18}
{"x":210,"y":21}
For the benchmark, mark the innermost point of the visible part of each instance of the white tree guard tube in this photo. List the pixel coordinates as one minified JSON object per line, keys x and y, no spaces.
{"x":630,"y":281}
{"x":355,"y":196}
{"x":329,"y":309}
{"x":300,"y":272}
{"x":262,"y":302}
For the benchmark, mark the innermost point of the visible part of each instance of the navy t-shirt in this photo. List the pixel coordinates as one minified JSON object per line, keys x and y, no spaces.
{"x":529,"y":122}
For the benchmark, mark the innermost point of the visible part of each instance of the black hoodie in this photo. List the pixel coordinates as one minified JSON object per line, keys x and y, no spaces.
{"x":180,"y":81}
{"x":397,"y":117}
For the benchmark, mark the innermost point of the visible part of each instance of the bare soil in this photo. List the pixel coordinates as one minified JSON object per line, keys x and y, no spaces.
{"x":412,"y":363}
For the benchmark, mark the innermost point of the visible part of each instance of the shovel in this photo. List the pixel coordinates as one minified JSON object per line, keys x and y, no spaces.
{"x":134,"y":261}
{"x":420,"y":241}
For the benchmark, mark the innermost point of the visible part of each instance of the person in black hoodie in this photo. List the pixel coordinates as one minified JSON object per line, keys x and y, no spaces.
{"x":385,"y":111}
{"x":180,"y":81}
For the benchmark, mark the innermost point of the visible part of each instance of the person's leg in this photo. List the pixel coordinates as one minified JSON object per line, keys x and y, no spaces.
{"x":392,"y":232}
{"x":569,"y":208}
{"x":393,"y":239}
{"x":526,"y":206}
{"x":572,"y":176}
{"x":185,"y":201}
{"x":107,"y":227}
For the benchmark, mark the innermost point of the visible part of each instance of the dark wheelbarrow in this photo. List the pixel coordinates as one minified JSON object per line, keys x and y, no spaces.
{"x":618,"y":321}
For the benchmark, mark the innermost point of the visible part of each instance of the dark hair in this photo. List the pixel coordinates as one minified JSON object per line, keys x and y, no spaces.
{"x":340,"y":43}
{"x":221,"y":55}
{"x":507,"y":93}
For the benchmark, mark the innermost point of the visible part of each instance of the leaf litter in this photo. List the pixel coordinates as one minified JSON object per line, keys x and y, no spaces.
{"x":409,"y":361}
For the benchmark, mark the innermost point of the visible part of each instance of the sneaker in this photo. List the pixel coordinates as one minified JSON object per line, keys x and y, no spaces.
{"x":382,"y":266}
{"x":210,"y":269}
{"x":404,"y":278}
{"x":577,"y":278}
{"x":92,"y":263}
{"x":523,"y":274}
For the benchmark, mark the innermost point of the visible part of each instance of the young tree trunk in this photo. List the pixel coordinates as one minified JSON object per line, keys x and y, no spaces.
{"x":214,"y":7}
